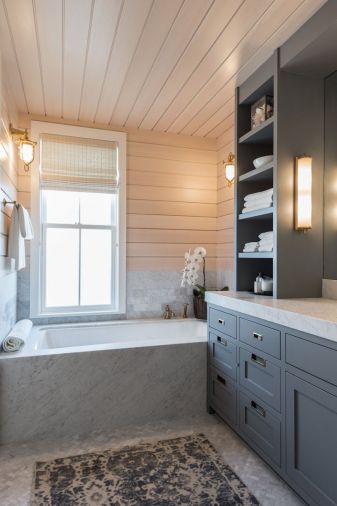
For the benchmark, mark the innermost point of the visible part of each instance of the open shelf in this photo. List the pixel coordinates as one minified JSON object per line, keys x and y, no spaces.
{"x":260,"y":134}
{"x":257,"y":215}
{"x":257,"y":254}
{"x":263,"y":173}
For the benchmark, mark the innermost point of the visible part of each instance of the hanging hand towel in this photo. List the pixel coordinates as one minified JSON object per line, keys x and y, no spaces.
{"x":26,"y":226}
{"x":17,"y":336}
{"x":16,"y":243}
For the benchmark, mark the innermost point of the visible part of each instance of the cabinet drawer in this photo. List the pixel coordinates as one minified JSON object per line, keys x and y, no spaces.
{"x":313,"y":358}
{"x":261,"y":337}
{"x":260,"y":427}
{"x":261,"y":377}
{"x":222,"y":395}
{"x":223,"y":354}
{"x":224,"y":322}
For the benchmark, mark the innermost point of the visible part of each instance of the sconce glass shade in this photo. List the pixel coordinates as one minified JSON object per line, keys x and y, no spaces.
{"x":230,"y":169}
{"x":26,"y":151}
{"x":303,"y":193}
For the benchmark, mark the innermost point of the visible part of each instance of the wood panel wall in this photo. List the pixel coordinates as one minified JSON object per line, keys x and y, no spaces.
{"x":225,"y":203}
{"x":171,"y":198}
{"x":8,"y":173}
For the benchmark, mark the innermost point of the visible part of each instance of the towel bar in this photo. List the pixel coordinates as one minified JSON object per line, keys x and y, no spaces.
{"x":6,"y":202}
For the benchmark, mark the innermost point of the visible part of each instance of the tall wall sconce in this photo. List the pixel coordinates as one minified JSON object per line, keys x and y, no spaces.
{"x":26,"y":147}
{"x":303,"y":193}
{"x":229,"y":165}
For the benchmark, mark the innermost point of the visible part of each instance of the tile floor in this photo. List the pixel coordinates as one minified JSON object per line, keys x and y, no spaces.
{"x":17,"y":461}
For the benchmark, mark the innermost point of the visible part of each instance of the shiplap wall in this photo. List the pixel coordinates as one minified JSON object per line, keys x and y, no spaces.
{"x":8,"y":173}
{"x":8,"y":184}
{"x":171,"y":198}
{"x":225,"y":208}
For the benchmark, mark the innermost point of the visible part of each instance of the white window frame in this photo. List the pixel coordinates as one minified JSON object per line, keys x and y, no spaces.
{"x":37,"y":309}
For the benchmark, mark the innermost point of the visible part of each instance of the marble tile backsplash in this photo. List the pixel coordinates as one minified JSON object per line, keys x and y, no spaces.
{"x":7,"y":303}
{"x":147,"y":294}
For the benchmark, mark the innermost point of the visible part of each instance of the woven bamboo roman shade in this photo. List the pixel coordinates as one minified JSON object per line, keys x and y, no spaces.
{"x":74,"y":163}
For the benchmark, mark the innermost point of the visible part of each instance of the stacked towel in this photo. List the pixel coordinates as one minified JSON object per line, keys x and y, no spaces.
{"x":266,"y":242}
{"x":250,"y":247}
{"x":259,"y":200}
{"x":17,"y":336}
{"x":21,"y":229}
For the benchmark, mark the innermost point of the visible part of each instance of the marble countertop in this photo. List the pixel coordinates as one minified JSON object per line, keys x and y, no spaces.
{"x":313,"y":316}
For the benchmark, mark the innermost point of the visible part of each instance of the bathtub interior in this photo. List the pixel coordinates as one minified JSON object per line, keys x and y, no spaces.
{"x":126,"y":334}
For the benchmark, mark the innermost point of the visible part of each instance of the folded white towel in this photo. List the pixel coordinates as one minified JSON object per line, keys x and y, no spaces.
{"x":266,"y":248}
{"x":248,"y":203}
{"x":250,"y":247}
{"x":257,"y":207}
{"x":26,"y":226}
{"x":251,"y":244}
{"x":259,"y":195}
{"x":266,"y":235}
{"x":17,"y":336}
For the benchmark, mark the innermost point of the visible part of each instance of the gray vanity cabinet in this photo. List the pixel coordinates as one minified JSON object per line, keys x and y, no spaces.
{"x":277,"y":389}
{"x":311,"y":442}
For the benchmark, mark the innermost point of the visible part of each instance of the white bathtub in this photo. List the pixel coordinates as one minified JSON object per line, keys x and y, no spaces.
{"x":56,"y":339}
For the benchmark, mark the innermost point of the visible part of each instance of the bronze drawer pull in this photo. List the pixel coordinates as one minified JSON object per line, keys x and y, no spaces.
{"x":258,"y":360}
{"x":221,"y":380}
{"x":222,"y":322}
{"x":221,"y":340}
{"x":258,"y":336}
{"x":258,"y":408}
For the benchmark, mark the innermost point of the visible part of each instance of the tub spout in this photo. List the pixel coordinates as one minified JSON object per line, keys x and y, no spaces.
{"x":168,"y":314}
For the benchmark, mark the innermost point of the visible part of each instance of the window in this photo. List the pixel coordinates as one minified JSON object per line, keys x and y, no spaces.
{"x":78,"y":258}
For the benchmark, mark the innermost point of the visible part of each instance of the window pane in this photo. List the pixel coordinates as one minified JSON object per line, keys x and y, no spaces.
{"x":96,"y":208}
{"x":95,"y":267}
{"x":62,"y":264}
{"x":61,"y":207}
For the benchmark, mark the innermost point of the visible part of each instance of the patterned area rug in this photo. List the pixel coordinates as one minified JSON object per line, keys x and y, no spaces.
{"x":186,"y":470}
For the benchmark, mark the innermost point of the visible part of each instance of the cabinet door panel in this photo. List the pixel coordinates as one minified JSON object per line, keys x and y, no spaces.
{"x":222,"y":354}
{"x":261,"y":377}
{"x":222,"y":395}
{"x":311,"y":421}
{"x":260,"y":426}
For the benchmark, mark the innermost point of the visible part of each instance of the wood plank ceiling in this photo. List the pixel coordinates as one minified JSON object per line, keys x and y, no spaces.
{"x":164,"y":65}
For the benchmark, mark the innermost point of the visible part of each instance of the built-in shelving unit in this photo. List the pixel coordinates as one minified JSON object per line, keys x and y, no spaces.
{"x":296,"y":127}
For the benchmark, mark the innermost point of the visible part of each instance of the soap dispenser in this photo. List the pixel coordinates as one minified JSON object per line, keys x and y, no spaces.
{"x":258,"y":284}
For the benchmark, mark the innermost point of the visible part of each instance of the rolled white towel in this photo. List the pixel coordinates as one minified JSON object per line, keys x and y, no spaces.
{"x":266,"y":235}
{"x":17,"y":336}
{"x":264,"y":194}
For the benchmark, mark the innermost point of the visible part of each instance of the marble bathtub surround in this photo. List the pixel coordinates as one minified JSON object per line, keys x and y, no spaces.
{"x":7,"y":303}
{"x":312,"y":316}
{"x":188,"y":470}
{"x":60,"y":395}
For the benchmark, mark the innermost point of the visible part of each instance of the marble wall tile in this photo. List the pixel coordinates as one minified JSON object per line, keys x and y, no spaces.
{"x":147,"y":294}
{"x":7,"y":303}
{"x":77,"y":393}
